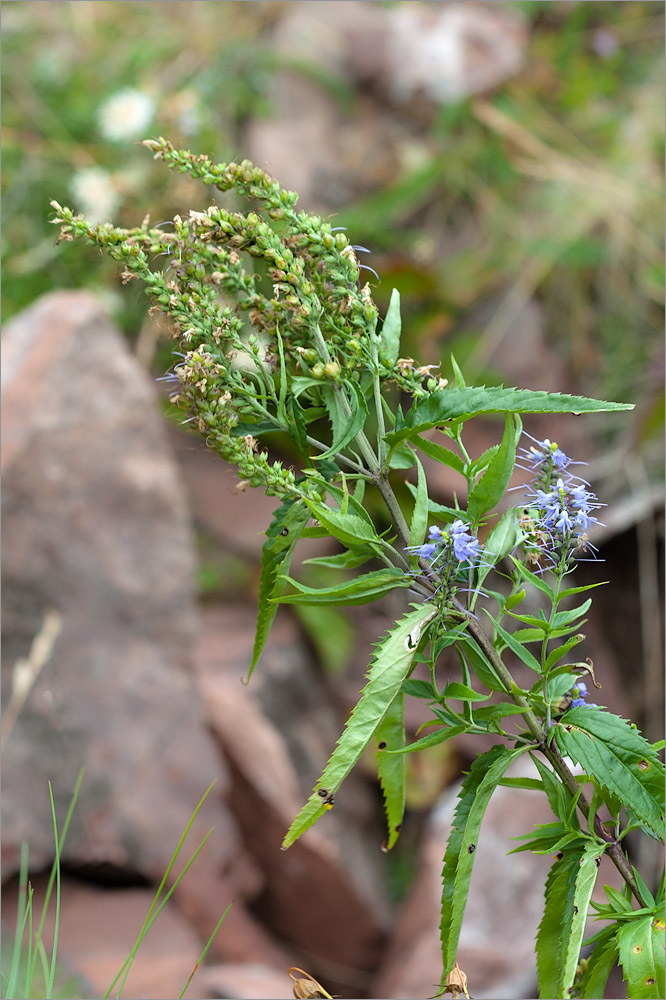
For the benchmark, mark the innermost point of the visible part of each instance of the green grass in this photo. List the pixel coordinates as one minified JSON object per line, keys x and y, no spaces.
{"x":34,"y":970}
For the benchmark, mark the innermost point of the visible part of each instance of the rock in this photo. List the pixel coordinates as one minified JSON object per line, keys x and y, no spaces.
{"x":99,"y":566}
{"x":98,"y":928}
{"x":245,"y":982}
{"x":503,"y":911}
{"x":448,"y":51}
{"x":324,"y":895}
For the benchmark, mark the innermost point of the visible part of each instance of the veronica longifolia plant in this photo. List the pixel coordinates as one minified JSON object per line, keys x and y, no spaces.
{"x":279,"y":332}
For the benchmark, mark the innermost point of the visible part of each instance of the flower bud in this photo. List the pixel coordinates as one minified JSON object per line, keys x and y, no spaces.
{"x":318,"y":370}
{"x":332,"y":369}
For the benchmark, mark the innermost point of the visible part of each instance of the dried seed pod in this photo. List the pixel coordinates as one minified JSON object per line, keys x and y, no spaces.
{"x":306,"y":986}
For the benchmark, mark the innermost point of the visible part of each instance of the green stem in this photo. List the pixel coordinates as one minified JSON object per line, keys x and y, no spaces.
{"x":377,"y":389}
{"x":550,"y":752}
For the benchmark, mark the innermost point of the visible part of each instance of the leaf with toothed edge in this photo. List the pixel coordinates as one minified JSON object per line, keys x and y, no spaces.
{"x":391,"y":662}
{"x":391,"y":768}
{"x":484,"y":775}
{"x":285,"y":529}
{"x":461,"y":403}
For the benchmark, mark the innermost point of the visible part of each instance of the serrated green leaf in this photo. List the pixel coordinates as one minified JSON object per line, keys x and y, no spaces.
{"x":489,"y":490}
{"x":599,"y":965}
{"x":474,"y":795}
{"x":419,"y":523}
{"x":460,"y":404}
{"x":391,"y":329}
{"x":641,"y":947}
{"x":390,"y":665}
{"x":391,"y":768}
{"x":523,"y":654}
{"x":285,"y":529}
{"x":555,"y":924}
{"x":619,"y":758}
{"x":361,"y":590}
{"x":440,"y":454}
{"x":572,"y":937}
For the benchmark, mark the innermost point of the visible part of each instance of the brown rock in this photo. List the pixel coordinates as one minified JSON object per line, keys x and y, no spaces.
{"x":98,"y":929}
{"x":248,"y":981}
{"x":324,"y":894}
{"x":98,"y":571}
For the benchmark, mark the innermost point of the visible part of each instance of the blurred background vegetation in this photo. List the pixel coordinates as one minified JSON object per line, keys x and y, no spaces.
{"x":550,"y":186}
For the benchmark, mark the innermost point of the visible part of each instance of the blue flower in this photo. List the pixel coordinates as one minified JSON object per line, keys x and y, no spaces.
{"x":465,"y":547}
{"x":454,"y":546}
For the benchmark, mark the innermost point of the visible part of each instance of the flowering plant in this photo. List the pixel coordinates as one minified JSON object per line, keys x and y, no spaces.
{"x":294,"y":344}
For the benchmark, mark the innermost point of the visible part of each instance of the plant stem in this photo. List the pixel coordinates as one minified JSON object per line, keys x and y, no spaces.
{"x":550,"y":752}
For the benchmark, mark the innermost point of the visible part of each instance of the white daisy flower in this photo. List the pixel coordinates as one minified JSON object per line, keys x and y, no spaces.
{"x":94,"y":193}
{"x":126,"y":115}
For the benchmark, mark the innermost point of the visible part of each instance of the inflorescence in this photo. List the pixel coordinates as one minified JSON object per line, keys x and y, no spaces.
{"x":559,"y":510}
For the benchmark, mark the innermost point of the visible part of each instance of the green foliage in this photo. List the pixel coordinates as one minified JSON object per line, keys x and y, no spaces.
{"x":641,"y":948}
{"x":568,"y":896}
{"x":390,"y":664}
{"x":484,"y":776}
{"x":462,"y":404}
{"x":620,"y":759}
{"x":391,"y":766}
{"x":288,"y":521}
{"x":360,"y":590}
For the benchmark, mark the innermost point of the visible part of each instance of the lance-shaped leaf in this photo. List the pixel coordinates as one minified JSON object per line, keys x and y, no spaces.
{"x":350,"y":529}
{"x":285,"y":529}
{"x":345,"y":430}
{"x":521,"y":652}
{"x":572,"y":935}
{"x":641,"y":943}
{"x":462,"y":403}
{"x":391,"y":328}
{"x":390,"y":665}
{"x":599,"y":965}
{"x":440,"y":454}
{"x":554,"y":929}
{"x":417,"y":529}
{"x":360,"y":590}
{"x":482,"y":780}
{"x":391,"y":767}
{"x":619,"y":758}
{"x":490,"y":488}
